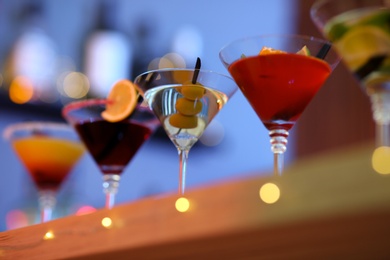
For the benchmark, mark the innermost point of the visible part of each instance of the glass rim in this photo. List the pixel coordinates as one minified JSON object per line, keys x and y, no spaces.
{"x":76,"y":104}
{"x":35,"y":125}
{"x":181,"y":69}
{"x":318,"y":3}
{"x":281,"y":36}
{"x":80,"y":104}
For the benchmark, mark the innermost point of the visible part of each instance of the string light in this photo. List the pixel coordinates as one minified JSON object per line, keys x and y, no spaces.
{"x":182,"y":204}
{"x":107,"y":222}
{"x":49,"y":235}
{"x":269,"y":193}
{"x":381,"y":160}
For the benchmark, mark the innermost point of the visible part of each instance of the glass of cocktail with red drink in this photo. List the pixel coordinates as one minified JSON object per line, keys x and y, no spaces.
{"x":279,"y":75}
{"x":111,"y":143}
{"x":49,"y":151}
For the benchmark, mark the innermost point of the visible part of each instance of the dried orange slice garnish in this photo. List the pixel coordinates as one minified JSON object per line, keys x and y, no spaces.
{"x":122,"y":100}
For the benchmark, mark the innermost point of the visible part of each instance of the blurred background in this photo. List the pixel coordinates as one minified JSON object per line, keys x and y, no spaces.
{"x":53,"y":52}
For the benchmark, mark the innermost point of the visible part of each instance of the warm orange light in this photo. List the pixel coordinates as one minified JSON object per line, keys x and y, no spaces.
{"x":107,"y":222}
{"x":269,"y":193}
{"x":21,"y":90}
{"x":182,"y":204}
{"x":49,"y":235}
{"x":381,"y":160}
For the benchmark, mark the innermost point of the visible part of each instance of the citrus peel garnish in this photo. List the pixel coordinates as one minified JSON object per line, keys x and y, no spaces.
{"x":268,"y":50}
{"x":304,"y":51}
{"x":121,"y":101}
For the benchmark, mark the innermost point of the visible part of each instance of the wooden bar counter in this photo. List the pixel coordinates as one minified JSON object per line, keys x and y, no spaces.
{"x":332,"y":206}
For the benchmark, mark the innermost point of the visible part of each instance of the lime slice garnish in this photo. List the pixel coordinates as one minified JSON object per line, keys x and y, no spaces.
{"x":304,"y":51}
{"x":361,"y":43}
{"x":379,"y":19}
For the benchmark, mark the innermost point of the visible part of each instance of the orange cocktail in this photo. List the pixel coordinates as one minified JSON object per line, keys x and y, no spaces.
{"x":48,"y":159}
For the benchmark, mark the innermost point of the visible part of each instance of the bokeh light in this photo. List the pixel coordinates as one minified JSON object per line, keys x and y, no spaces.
{"x":49,"y":235}
{"x":269,"y":193}
{"x":381,"y":160}
{"x":165,"y":63}
{"x":107,"y":222}
{"x":169,"y":60}
{"x":176,"y":60}
{"x":182,"y":204}
{"x":16,"y":219}
{"x":83,"y":210}
{"x":74,"y":85}
{"x":21,"y":90}
{"x":214,"y":134}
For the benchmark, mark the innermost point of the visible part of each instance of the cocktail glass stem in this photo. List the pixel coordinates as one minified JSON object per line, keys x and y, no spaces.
{"x":381,"y":112}
{"x":278,"y":147}
{"x":47,"y":201}
{"x":383,"y":134}
{"x":183,"y":157}
{"x":110,"y":188}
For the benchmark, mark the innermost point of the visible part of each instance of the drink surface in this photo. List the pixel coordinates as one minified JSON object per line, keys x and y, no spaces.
{"x":112,"y":145}
{"x":362,"y":37}
{"x":47,"y":159}
{"x":279,"y":86}
{"x":170,"y":105}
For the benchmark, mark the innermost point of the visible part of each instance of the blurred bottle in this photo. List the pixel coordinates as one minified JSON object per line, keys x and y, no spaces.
{"x":31,"y":67}
{"x":108,"y":52}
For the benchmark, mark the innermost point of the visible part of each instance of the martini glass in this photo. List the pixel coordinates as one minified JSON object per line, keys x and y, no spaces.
{"x":360,"y":31}
{"x":49,"y":151}
{"x":279,"y":86}
{"x":111,"y":145}
{"x":185,"y":101}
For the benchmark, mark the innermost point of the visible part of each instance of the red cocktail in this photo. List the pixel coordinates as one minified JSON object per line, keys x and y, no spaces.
{"x":286,"y":83}
{"x":279,"y":76}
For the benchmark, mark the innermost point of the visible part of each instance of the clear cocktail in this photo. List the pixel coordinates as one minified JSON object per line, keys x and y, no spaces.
{"x":185,"y":104}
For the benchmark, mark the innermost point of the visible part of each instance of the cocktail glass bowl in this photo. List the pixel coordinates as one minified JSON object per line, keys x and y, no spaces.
{"x":112,"y":145}
{"x":185,"y":101}
{"x":48,"y":150}
{"x":281,"y":82}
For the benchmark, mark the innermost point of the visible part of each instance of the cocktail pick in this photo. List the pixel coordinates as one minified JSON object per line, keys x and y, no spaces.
{"x":323,"y":51}
{"x":196,"y":72}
